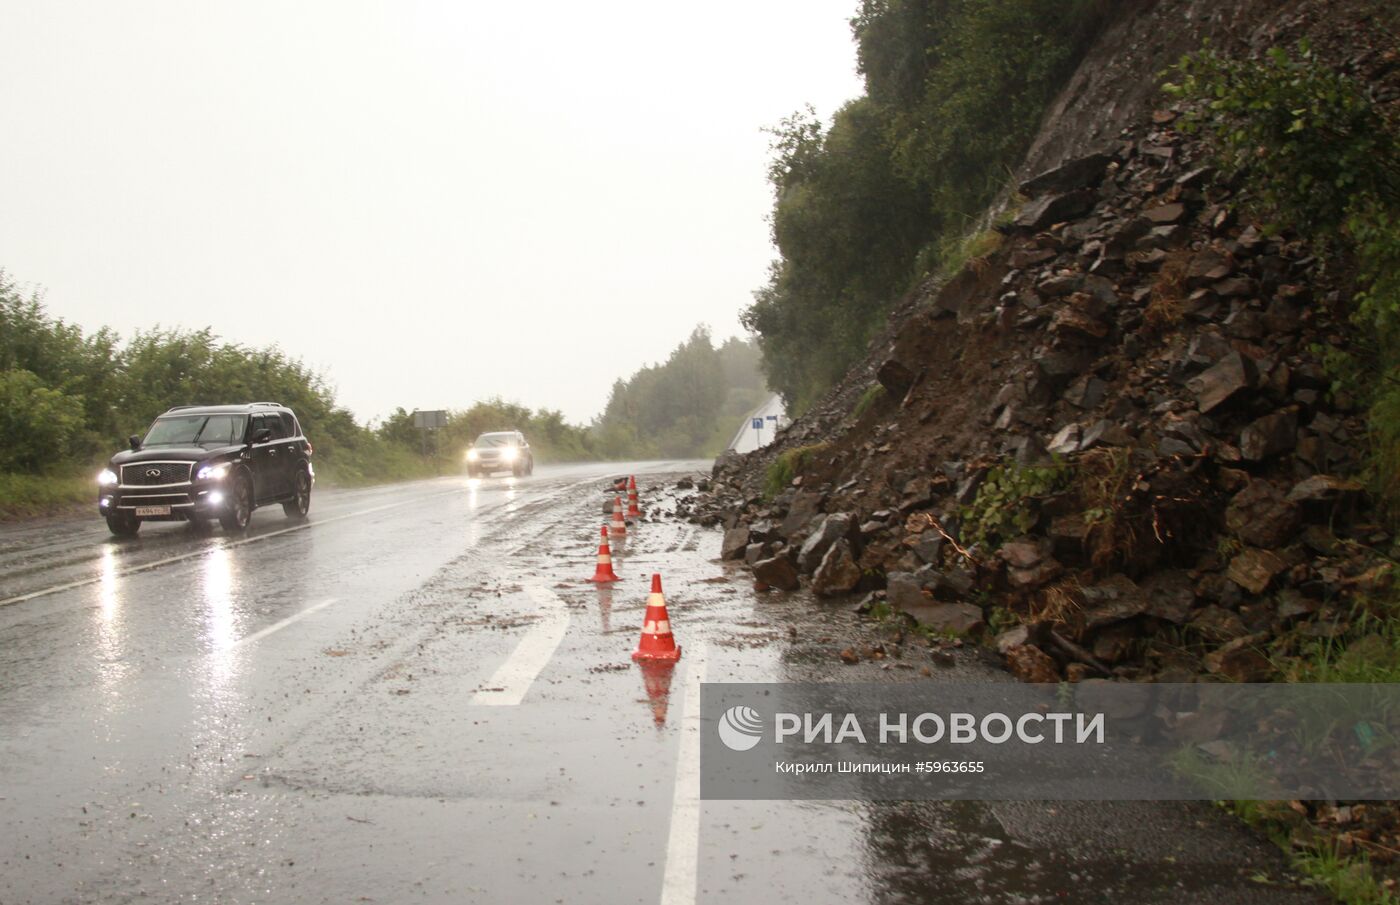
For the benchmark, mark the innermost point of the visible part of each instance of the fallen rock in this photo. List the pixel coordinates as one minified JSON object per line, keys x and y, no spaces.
{"x":1270,"y":435}
{"x":838,"y":572}
{"x":1024,"y":553}
{"x":1066,"y":441}
{"x":1215,"y":623}
{"x":1033,"y":577}
{"x":904,"y":590}
{"x":1323,"y":488}
{"x":1223,"y":381}
{"x":1079,"y":173}
{"x":1254,"y":570}
{"x":1114,"y":599}
{"x":1208,"y":267}
{"x":1104,"y":433}
{"x":1031,"y":664}
{"x":954,"y":584}
{"x":1260,"y":516}
{"x":1170,"y":596}
{"x":1077,"y":325}
{"x":1029,"y":257}
{"x":950,"y":618}
{"x":1014,"y":637}
{"x":778,"y":572}
{"x":1051,"y":209}
{"x":1117,"y":642}
{"x":804,"y":507}
{"x":1240,"y":661}
{"x":1166,"y":214}
{"x":895,"y":377}
{"x":829,"y":530}
{"x":736,"y":541}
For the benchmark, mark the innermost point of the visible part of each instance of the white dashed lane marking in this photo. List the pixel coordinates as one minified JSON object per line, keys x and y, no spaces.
{"x":678,"y":885}
{"x":515,"y":676}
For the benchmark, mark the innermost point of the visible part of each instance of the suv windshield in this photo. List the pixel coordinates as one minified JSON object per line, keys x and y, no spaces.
{"x":490,"y":440}
{"x":196,"y":430}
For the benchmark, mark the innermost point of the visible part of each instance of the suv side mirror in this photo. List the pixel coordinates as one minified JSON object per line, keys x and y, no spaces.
{"x":261,"y":435}
{"x":135,"y":442}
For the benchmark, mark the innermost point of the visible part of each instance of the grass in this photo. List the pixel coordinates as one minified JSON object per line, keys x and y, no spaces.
{"x":25,"y":495}
{"x":1369,"y":654}
{"x":1349,"y":878}
{"x":972,"y":250}
{"x":1166,"y":309}
{"x":787,"y":466}
{"x":873,"y":394}
{"x":383,"y":465}
{"x":29,"y":495}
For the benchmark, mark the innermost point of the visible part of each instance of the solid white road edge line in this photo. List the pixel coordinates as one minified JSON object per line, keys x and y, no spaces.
{"x":507,"y":687}
{"x":678,"y":884}
{"x":278,"y":626}
{"x":146,"y":567}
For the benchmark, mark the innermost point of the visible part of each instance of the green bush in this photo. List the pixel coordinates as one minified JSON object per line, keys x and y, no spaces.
{"x":38,"y":424}
{"x":1007,"y":504}
{"x":1319,"y":157}
{"x":1308,"y":140}
{"x":869,"y":205}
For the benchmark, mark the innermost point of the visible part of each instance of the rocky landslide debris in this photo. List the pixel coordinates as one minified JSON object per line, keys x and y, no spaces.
{"x":1136,"y":334}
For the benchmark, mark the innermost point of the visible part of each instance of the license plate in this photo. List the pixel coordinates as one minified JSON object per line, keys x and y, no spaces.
{"x":152,"y":510}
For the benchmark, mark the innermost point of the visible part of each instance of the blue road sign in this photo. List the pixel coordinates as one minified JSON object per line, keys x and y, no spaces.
{"x":758,"y":424}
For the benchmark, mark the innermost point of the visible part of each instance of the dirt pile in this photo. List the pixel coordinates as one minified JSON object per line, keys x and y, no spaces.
{"x":1112,"y":439}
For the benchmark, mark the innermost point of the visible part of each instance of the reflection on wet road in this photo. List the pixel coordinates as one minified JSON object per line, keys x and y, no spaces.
{"x":415,"y":696}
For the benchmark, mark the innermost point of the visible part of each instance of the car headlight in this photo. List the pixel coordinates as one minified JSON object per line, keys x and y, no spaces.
{"x":473,"y":455}
{"x":107,"y":477}
{"x":509,"y":453}
{"x":212,"y":472}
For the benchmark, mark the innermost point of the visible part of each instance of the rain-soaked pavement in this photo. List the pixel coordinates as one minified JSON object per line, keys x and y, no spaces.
{"x":414,"y":697}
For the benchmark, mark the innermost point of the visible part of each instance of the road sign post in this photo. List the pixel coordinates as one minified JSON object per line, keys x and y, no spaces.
{"x":430,"y":422}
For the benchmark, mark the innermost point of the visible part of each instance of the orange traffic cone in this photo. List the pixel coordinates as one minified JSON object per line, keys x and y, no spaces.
{"x":657,"y":641}
{"x":604,"y":571}
{"x":656,"y":678}
{"x":632,"y":509}
{"x":619,"y":526}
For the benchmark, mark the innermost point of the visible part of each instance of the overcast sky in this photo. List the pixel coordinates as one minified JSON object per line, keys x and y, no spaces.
{"x":433,"y":202}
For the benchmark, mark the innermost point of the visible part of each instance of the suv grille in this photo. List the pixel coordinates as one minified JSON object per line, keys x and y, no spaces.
{"x":154,"y":474}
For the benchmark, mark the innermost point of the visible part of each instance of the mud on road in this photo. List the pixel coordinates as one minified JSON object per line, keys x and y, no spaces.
{"x":417,"y":696}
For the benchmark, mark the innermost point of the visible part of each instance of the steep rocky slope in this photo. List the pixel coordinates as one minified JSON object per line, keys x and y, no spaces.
{"x":1112,"y":438}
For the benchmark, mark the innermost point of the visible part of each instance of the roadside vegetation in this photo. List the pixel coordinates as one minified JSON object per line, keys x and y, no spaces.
{"x":688,"y":406}
{"x":867,"y":206}
{"x":1319,"y":157}
{"x":68,"y":398}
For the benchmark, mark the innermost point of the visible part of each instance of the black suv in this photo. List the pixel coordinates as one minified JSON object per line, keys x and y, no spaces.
{"x":201,"y":462}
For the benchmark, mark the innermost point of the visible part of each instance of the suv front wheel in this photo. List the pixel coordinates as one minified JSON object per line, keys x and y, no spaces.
{"x":123,"y":524}
{"x":299,"y":505}
{"x":240,"y":505}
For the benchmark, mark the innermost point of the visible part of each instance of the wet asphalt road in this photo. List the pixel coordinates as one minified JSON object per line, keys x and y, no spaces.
{"x":414,"y":696}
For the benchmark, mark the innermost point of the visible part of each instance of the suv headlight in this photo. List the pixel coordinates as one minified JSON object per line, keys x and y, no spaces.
{"x":212,"y":472}
{"x":473,"y":455}
{"x":106,"y":477}
{"x":509,"y":453}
